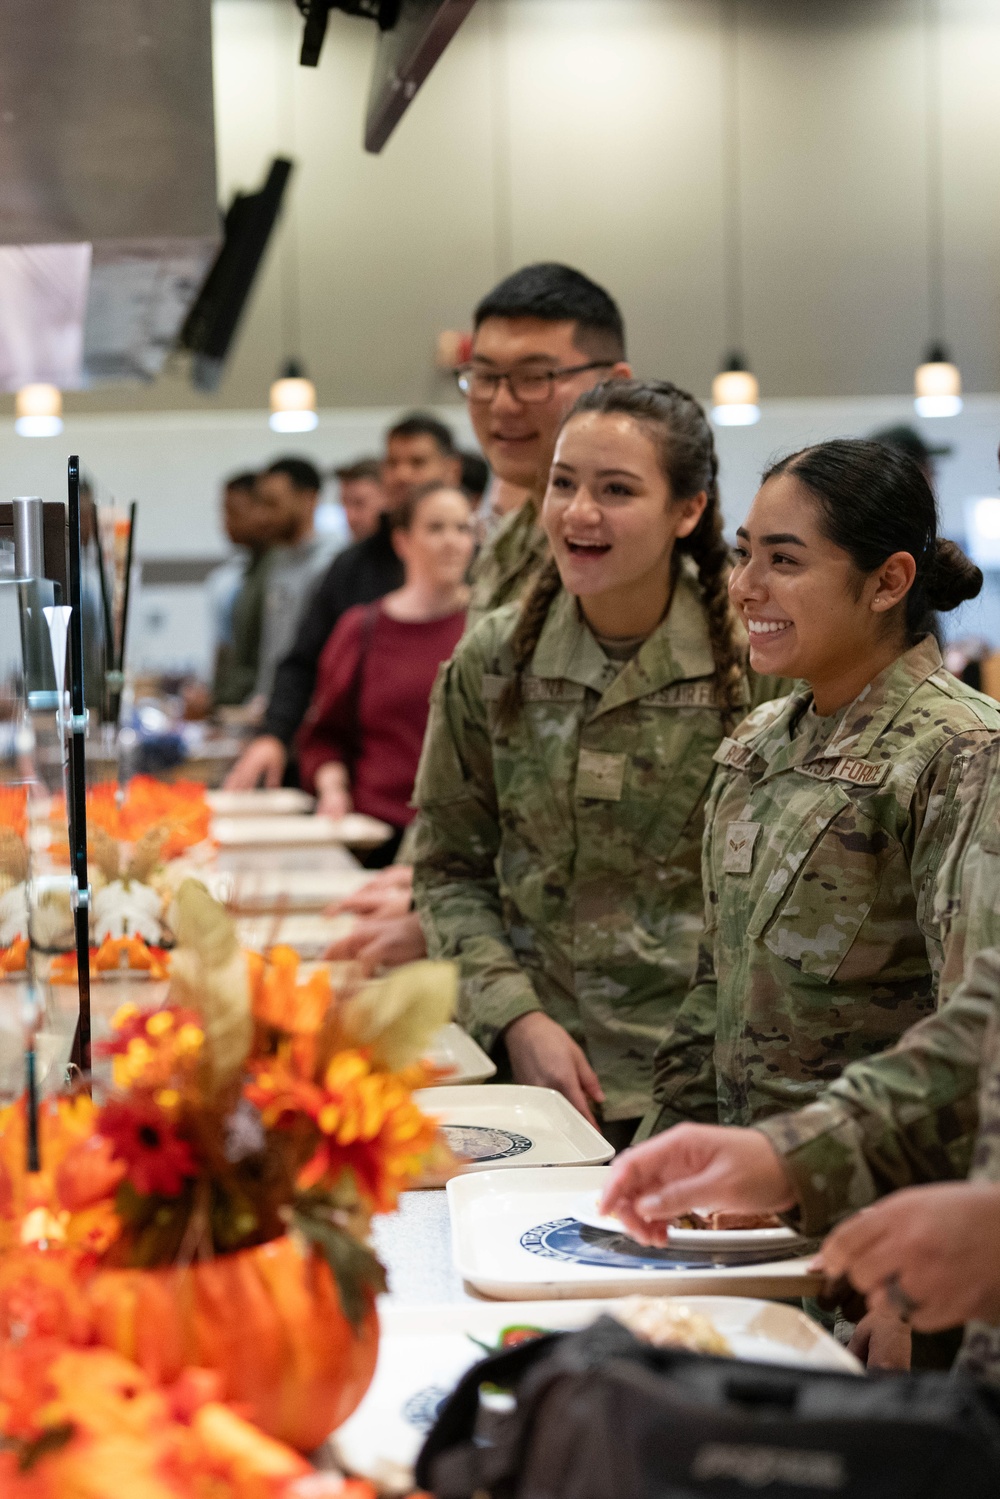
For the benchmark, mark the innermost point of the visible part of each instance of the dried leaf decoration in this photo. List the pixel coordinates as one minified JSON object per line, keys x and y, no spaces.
{"x":147,"y":853}
{"x":13,"y":856}
{"x":208,"y":974}
{"x":394,"y":1018}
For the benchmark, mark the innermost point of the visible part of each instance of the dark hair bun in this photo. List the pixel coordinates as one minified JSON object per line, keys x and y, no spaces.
{"x":951,"y":576}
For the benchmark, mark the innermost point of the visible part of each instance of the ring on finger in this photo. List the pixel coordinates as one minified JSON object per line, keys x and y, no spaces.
{"x":903,"y":1303}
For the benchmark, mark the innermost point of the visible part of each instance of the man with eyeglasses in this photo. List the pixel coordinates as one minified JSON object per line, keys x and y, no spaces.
{"x":541,"y":338}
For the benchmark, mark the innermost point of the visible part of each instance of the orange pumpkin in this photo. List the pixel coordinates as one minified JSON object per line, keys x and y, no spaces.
{"x":268,"y":1320}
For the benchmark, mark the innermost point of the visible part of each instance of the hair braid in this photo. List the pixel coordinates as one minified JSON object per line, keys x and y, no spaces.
{"x":534,"y":611}
{"x":710,"y":551}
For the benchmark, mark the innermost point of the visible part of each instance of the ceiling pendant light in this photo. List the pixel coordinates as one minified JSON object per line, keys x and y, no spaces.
{"x":293,"y":401}
{"x":38,"y":411}
{"x":937,"y":385}
{"x":735,"y":395}
{"x":735,"y":392}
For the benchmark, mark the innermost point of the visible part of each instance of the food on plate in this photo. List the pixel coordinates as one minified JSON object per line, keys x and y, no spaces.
{"x":727,"y":1221}
{"x":670,"y":1324}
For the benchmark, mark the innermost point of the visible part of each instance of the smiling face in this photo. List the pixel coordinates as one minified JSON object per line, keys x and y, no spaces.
{"x":612,"y":521}
{"x":436,"y":548}
{"x":809,"y":611}
{"x":517,"y":437}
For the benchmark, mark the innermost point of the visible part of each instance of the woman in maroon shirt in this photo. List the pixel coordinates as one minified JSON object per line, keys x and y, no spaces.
{"x":360,"y":741}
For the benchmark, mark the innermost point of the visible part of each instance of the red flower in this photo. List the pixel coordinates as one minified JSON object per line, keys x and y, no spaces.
{"x":157,"y":1160}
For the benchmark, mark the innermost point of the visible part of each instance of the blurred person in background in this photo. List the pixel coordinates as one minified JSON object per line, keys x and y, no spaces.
{"x":360,"y":743}
{"x":256,"y":526}
{"x":223,"y":583}
{"x":419,"y":450}
{"x":475,"y":478}
{"x":362,"y":497}
{"x":908,"y":440}
{"x":289,"y":489}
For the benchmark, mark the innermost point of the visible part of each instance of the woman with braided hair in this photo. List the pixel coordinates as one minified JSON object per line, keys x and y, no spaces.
{"x":568,"y":758}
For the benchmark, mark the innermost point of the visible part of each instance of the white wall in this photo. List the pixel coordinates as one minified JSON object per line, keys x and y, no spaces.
{"x":593,"y":130}
{"x":172,"y":462}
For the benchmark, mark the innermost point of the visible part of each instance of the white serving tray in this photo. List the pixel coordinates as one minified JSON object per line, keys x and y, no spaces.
{"x":310,"y":935}
{"x":290,"y":890}
{"x":517,"y":1236}
{"x":273,"y":801}
{"x":356,"y":831}
{"x":465,"y":1060}
{"x":425,"y":1350}
{"x":507,"y":1124}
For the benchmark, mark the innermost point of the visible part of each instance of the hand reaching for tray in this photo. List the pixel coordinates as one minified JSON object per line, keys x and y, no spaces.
{"x":544,"y":1055}
{"x":378,"y":943}
{"x":387,"y":895}
{"x":702,"y":1166}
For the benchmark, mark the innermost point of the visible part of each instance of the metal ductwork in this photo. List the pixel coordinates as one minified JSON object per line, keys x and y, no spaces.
{"x":108,"y":206}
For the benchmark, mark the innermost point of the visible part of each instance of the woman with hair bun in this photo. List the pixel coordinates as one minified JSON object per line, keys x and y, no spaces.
{"x":832,"y":807}
{"x":568,"y":757}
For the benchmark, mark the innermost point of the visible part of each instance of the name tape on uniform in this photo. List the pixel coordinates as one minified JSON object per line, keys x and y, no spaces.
{"x":858,"y":772}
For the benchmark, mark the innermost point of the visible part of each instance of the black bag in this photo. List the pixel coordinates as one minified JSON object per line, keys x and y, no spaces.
{"x":599,"y":1415}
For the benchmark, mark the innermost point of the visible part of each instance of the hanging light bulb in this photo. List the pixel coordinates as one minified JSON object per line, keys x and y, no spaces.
{"x":735,"y":395}
{"x":38,"y":411}
{"x":937,"y":385}
{"x":293,"y":401}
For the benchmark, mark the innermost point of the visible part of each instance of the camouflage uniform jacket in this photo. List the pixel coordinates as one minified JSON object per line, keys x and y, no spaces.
{"x":910,"y":1114}
{"x":509,"y":561}
{"x":558,"y":859}
{"x":821,"y":850}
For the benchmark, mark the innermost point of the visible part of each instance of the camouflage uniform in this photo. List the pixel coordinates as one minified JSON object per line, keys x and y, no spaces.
{"x":558,"y":859}
{"x":822,"y":946}
{"x":911,"y":1114}
{"x":509,"y":562}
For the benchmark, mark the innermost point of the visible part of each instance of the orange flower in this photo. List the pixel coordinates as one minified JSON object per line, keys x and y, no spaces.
{"x":14,"y":809}
{"x":179,"y":810}
{"x":366,"y":1120}
{"x":14,"y":959}
{"x":282,"y":1003}
{"x":157,"y":1051}
{"x":108,"y":957}
{"x":42,"y":1295}
{"x":70,"y":1202}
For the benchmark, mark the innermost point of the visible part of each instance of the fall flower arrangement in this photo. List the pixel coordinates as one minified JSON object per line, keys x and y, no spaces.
{"x":134,"y":834}
{"x":85,"y":1423}
{"x":213,"y":1209}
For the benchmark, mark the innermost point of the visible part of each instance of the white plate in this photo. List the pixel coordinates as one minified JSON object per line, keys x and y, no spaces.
{"x":466,"y":1062}
{"x":291,"y":890}
{"x":425,"y":1350}
{"x":310,"y":935}
{"x":506,"y":1124}
{"x":696,"y":1238}
{"x":284,"y":832}
{"x":275,"y":801}
{"x":517,"y":1236}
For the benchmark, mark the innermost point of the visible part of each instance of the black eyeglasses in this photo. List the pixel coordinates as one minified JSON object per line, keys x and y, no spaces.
{"x":531,"y":387}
